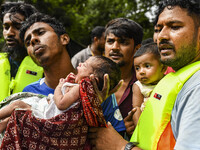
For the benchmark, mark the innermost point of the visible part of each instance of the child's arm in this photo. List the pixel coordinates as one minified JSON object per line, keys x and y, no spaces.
{"x":137,"y":100}
{"x":7,"y":110}
{"x":64,"y":101}
{"x":3,"y":124}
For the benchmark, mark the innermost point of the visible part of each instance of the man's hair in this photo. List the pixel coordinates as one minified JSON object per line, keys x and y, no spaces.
{"x":192,"y":6}
{"x":17,"y":7}
{"x":40,"y":17}
{"x":104,"y":65}
{"x":146,"y":41}
{"x":97,"y":32}
{"x":148,"y":48}
{"x":125,"y":28}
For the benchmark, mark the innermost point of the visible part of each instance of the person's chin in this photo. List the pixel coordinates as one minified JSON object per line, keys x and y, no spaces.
{"x":11,"y":45}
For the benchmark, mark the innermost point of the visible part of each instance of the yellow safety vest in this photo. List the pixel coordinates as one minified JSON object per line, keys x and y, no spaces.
{"x":154,"y":123}
{"x":27,"y":73}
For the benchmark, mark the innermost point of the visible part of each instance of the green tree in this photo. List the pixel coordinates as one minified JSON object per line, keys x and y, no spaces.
{"x":81,"y":16}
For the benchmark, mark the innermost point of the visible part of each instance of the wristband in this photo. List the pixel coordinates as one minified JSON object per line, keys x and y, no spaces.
{"x":130,"y":145}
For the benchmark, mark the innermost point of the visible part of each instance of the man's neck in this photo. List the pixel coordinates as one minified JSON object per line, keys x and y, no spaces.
{"x":126,"y":73}
{"x":95,"y":51}
{"x":57,"y":70}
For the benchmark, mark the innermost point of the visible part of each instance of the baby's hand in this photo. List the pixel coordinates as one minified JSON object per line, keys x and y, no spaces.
{"x":61,"y":82}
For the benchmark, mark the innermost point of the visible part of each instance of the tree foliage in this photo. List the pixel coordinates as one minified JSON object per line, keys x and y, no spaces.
{"x":80,"y":16}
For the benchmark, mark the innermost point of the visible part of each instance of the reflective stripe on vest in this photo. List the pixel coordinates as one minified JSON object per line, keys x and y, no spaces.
{"x":27,"y":73}
{"x":157,"y":113}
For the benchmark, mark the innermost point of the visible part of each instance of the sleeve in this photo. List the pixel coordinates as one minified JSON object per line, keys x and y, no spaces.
{"x":187,"y":119}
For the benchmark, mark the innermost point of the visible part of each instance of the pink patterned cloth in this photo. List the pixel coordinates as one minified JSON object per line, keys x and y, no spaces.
{"x":65,"y":131}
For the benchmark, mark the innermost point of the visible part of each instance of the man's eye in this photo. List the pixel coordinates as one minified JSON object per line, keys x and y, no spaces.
{"x":18,"y":26}
{"x":41,"y":32}
{"x":156,"y":30}
{"x":124,"y":42}
{"x":176,"y":27}
{"x":6,"y":27}
{"x":27,"y":43}
{"x":109,"y":41}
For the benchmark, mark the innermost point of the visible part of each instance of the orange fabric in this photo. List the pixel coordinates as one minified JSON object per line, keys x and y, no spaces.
{"x":167,"y":140}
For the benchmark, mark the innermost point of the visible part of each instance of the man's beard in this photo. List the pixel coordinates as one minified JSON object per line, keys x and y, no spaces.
{"x":17,"y":52}
{"x":121,"y":63}
{"x":181,"y":59}
{"x":100,"y":48}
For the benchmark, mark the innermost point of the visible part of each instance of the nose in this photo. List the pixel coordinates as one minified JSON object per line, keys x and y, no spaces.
{"x":116,"y":45}
{"x":10,"y":32}
{"x":142,"y":71}
{"x":163,"y":34}
{"x":34,"y":40}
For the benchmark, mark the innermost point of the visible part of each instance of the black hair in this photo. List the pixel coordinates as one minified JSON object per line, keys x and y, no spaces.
{"x":149,"y":40}
{"x":148,"y":48}
{"x":104,"y":66}
{"x":17,"y":7}
{"x":40,"y":17}
{"x":123,"y":27}
{"x":192,"y":6}
{"x":97,"y":32}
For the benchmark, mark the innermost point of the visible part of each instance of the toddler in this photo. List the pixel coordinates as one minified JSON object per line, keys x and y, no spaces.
{"x":149,"y":71}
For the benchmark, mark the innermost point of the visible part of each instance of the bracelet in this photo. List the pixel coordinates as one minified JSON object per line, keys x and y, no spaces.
{"x":130,"y":145}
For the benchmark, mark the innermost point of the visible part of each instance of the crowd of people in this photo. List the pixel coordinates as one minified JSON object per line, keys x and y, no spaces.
{"x":121,"y":92}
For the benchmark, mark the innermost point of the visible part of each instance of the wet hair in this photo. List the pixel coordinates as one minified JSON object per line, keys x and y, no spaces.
{"x":40,"y":17}
{"x":97,"y":32}
{"x":151,"y":48}
{"x":192,"y":6}
{"x":17,"y":7}
{"x":104,"y":65}
{"x":125,"y":28}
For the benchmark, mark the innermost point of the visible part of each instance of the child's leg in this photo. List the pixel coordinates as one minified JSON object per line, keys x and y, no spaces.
{"x":7,"y":110}
{"x":3,"y":124}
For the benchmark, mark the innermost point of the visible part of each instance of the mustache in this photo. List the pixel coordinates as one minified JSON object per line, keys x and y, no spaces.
{"x":115,"y":53}
{"x":166,"y":43}
{"x":11,"y":39}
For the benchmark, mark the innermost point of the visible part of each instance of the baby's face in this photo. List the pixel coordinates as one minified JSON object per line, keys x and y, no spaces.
{"x":149,"y":69}
{"x":84,"y":69}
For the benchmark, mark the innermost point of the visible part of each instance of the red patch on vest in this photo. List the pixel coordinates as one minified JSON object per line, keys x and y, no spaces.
{"x":157,"y":96}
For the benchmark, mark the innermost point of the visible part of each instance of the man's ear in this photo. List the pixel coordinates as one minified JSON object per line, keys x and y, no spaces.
{"x":137,"y":47}
{"x":64,"y":38}
{"x":95,"y":39}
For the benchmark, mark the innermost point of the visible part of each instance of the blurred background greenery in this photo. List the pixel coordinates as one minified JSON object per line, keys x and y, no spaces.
{"x":81,"y":16}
